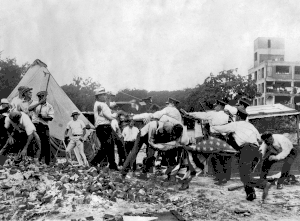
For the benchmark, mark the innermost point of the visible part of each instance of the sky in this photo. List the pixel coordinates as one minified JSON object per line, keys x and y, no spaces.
{"x":144,"y":44}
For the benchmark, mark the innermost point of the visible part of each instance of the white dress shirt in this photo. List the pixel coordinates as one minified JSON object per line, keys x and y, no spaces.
{"x":281,"y":144}
{"x":169,"y":111}
{"x":45,"y":110}
{"x":243,"y":132}
{"x":102,"y":114}
{"x":214,"y":118}
{"x":130,"y":133}
{"x":76,"y":127}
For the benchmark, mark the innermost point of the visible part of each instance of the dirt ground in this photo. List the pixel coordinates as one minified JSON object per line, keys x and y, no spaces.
{"x":202,"y":201}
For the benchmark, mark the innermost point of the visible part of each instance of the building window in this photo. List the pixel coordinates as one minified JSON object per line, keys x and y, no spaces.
{"x":269,"y":43}
{"x":262,"y":73}
{"x":297,"y":70}
{"x":282,"y":70}
{"x":255,"y":56}
{"x":255,"y":76}
{"x":255,"y":102}
{"x":262,"y":101}
{"x":263,"y":88}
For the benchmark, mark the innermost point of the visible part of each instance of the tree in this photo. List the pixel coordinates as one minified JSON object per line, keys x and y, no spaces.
{"x":10,"y":75}
{"x":81,"y":92}
{"x":226,"y":86}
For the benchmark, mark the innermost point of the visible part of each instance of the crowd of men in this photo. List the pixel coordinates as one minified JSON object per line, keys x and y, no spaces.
{"x":23,"y":120}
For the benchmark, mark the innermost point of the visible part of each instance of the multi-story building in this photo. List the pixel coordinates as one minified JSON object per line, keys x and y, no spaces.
{"x":278,"y":81}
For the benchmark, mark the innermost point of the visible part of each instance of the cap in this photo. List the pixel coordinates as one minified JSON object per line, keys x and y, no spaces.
{"x":42,"y":93}
{"x":220,"y":102}
{"x":241,"y":111}
{"x":4,"y":101}
{"x":111,"y":94}
{"x":173,"y":101}
{"x":100,"y":90}
{"x":21,"y":88}
{"x":244,"y":103}
{"x":26,"y":89}
{"x":147,"y":100}
{"x":75,"y":112}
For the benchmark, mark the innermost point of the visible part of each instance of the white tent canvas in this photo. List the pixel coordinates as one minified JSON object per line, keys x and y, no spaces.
{"x":39,"y":78}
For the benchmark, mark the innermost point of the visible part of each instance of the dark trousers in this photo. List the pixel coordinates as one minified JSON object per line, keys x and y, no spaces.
{"x":286,"y":167}
{"x":221,"y":162}
{"x":221,"y":166}
{"x":46,"y":152}
{"x":128,"y":147}
{"x":134,"y":152}
{"x":120,"y":147}
{"x":249,"y":157}
{"x":169,"y":157}
{"x":104,"y":134}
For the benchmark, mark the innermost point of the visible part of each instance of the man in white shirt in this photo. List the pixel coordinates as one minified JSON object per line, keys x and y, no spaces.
{"x":23,"y":106}
{"x":103,"y":117}
{"x":16,"y":100}
{"x":244,"y":137}
{"x":130,"y":134}
{"x":221,"y":163}
{"x":233,"y":110}
{"x":277,"y":147}
{"x":16,"y":124}
{"x":78,"y":130}
{"x":42,"y":113}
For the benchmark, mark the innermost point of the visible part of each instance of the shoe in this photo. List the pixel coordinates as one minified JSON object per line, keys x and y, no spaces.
{"x":251,"y":197}
{"x":266,"y":191}
{"x":221,"y":182}
{"x":279,"y":186}
{"x":184,"y":186}
{"x":142,"y":176}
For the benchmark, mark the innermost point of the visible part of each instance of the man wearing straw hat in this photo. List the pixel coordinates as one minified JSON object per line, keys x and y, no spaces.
{"x":103,"y":117}
{"x":78,"y":130}
{"x":42,"y":113}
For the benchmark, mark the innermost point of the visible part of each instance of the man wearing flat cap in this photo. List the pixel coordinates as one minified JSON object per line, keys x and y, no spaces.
{"x":78,"y":130}
{"x":243,"y":103}
{"x":244,"y":137}
{"x":42,"y":113}
{"x":103,"y":117}
{"x":18,"y":99}
{"x":20,"y":131}
{"x":26,"y":95}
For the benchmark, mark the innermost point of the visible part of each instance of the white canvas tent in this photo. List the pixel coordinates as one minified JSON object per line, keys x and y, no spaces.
{"x":39,"y":78}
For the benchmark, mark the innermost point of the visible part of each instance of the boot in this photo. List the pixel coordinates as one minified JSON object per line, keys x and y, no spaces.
{"x":251,"y":197}
{"x":184,"y":186}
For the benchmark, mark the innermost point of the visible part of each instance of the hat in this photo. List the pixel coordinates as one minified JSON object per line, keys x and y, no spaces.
{"x":21,"y":88}
{"x":173,"y":101}
{"x":244,"y":103}
{"x":4,"y":101}
{"x":42,"y":93}
{"x":241,"y":111}
{"x":100,"y":90}
{"x":26,"y":89}
{"x":75,"y":112}
{"x":15,"y":116}
{"x":111,"y":94}
{"x":220,"y":102}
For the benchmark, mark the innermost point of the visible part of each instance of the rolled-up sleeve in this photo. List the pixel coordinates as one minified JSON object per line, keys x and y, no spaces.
{"x":51,"y":111}
{"x":230,"y":109}
{"x":227,"y":128}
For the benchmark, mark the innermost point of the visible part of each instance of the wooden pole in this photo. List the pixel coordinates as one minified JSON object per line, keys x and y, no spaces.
{"x":297,"y":125}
